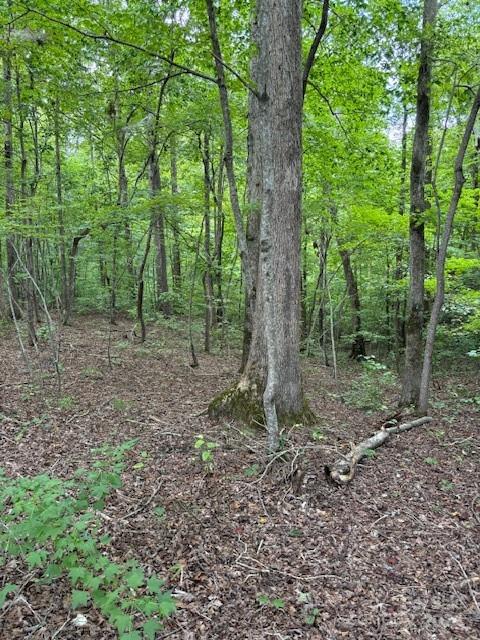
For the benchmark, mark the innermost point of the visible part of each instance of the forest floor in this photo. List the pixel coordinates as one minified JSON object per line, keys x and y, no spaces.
{"x":252,"y":555}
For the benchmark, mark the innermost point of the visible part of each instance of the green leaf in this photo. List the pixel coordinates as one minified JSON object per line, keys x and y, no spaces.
{"x":278,"y":603}
{"x":166,"y":605}
{"x":155,"y":585}
{"x":8,"y":588}
{"x":135,"y":578}
{"x":150,"y":629}
{"x":131,"y":635}
{"x":80,"y":598}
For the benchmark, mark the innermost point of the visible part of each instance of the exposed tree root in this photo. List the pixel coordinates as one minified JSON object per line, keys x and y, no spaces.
{"x":343,"y":470}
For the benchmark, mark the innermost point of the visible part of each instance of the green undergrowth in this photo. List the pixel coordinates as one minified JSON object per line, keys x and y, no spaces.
{"x":53,"y":528}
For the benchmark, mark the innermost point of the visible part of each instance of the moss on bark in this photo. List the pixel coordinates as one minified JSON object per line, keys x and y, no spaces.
{"x":244,"y":404}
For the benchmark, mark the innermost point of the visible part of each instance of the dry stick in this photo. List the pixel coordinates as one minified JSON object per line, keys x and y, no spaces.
{"x":343,"y":470}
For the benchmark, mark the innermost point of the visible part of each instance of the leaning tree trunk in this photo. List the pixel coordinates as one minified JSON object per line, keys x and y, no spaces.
{"x":418,"y":206}
{"x":271,"y":382}
{"x":442,"y":256}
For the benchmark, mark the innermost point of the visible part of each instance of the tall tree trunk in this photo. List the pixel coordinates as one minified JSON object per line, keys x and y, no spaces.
{"x":163,"y":305}
{"x":358,"y":343}
{"x":9,"y":178}
{"x":141,"y":285}
{"x":442,"y":256}
{"x":398,"y":320}
{"x":60,"y":218}
{"x":418,"y":206}
{"x":219,"y":225}
{"x":29,"y":280}
{"x":207,"y":274}
{"x":271,"y":380}
{"x":176,"y":261}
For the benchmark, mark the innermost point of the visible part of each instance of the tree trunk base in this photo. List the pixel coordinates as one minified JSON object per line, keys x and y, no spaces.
{"x":245,"y":405}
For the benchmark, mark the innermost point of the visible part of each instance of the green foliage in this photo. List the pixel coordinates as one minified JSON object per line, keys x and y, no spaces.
{"x":206,"y":449}
{"x":367,"y":392}
{"x":52,"y":525}
{"x":275,"y":603}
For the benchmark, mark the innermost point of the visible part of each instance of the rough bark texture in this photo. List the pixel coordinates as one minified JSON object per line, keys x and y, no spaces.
{"x":442,"y":256}
{"x":273,"y":375}
{"x":418,"y":206}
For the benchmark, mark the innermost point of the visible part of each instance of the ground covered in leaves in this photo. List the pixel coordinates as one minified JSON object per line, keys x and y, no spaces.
{"x":250,"y":549}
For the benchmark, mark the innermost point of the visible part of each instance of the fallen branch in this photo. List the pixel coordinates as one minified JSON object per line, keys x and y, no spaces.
{"x":343,"y":470}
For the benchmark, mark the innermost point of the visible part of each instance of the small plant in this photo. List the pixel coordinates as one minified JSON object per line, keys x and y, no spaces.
{"x":311,"y":616}
{"x":51,"y":524}
{"x":206,"y":448}
{"x":318,"y":435}
{"x":120,"y":405}
{"x":275,"y":603}
{"x":431,"y":461}
{"x":446,"y":485}
{"x":92,"y":372}
{"x":66,"y":402}
{"x":253,"y":470}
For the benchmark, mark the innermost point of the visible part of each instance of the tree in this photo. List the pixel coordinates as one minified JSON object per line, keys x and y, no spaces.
{"x":418,"y":207}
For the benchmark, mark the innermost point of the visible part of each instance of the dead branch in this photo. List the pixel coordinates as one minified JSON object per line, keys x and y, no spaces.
{"x":343,"y":470}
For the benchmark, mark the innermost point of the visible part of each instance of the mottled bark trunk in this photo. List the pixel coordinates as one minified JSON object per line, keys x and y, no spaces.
{"x":254,"y":198}
{"x":273,"y":374}
{"x":219,"y":224}
{"x":418,"y":206}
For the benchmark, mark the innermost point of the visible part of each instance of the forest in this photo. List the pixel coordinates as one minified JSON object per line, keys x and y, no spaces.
{"x":240,"y":319}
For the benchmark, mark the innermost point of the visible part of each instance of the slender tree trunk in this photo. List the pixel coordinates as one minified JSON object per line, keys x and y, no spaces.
{"x":163,"y":305}
{"x":442,"y":256}
{"x":29,"y":287}
{"x":418,"y":206}
{"x":207,"y":274}
{"x":66,"y":303}
{"x":358,"y":343}
{"x":141,"y":285}
{"x":219,"y":225}
{"x":398,"y":319}
{"x":176,"y":261}
{"x":9,"y":178}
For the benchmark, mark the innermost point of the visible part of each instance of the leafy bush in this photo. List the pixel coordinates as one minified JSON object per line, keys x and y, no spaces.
{"x":52,"y":525}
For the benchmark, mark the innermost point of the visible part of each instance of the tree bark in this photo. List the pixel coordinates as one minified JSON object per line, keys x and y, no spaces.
{"x":163,"y":305}
{"x":271,"y":380}
{"x":176,"y":261}
{"x":358,"y":343}
{"x":418,"y":205}
{"x":442,"y":256}
{"x":60,"y":218}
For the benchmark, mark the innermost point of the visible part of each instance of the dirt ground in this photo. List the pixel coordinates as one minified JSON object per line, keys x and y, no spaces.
{"x":393,"y":555}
